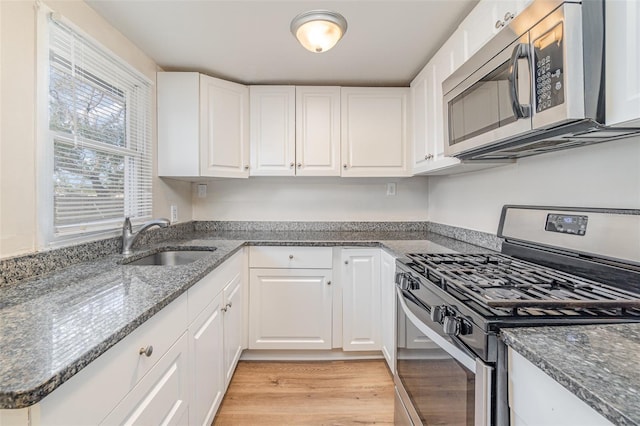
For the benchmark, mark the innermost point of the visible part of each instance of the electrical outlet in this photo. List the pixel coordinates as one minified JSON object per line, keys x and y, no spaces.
{"x":174,"y":213}
{"x":391,"y":188}
{"x":202,"y":190}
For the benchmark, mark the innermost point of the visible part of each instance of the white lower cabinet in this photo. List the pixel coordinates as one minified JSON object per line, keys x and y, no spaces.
{"x":161,"y":398}
{"x":388,"y":307}
{"x":232,"y":324}
{"x":361,"y":300}
{"x":207,"y":370}
{"x":536,"y":399}
{"x":215,"y":337}
{"x":290,"y":308}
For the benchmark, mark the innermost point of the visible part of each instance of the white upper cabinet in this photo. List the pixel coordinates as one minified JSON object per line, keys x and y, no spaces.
{"x":273,"y":121}
{"x":428,"y":114}
{"x":374,"y":131}
{"x":485,"y":20}
{"x":623,"y":49}
{"x":317,"y":131}
{"x":203,"y":126}
{"x":295,"y":131}
{"x":426,"y":89}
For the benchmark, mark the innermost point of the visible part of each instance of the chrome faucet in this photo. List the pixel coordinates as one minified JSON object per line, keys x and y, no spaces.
{"x":128,"y":237}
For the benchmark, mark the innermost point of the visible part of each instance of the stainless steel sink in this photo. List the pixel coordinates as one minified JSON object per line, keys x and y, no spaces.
{"x":171,"y":257}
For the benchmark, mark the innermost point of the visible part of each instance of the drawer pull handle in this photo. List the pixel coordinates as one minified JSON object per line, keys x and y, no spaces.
{"x":229,"y":305}
{"x":225,"y":309}
{"x":146,"y":351}
{"x":328,"y":282}
{"x":290,"y":257}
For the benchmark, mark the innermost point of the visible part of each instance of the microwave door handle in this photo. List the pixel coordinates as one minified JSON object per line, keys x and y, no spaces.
{"x":519,"y":110}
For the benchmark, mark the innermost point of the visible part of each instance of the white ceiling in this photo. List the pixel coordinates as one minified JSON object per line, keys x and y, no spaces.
{"x":386,"y":44}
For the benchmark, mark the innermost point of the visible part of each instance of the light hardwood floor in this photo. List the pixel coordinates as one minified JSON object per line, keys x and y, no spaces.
{"x":308,"y":393}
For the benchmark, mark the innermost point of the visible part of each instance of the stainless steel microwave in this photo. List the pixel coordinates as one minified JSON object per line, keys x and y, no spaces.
{"x":537,"y":86}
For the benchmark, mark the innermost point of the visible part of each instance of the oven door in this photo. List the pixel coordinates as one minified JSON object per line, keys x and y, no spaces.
{"x":437,"y":382}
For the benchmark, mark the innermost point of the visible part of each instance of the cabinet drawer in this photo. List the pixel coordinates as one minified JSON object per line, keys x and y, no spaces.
{"x":203,"y":292}
{"x":92,"y":393}
{"x":291,"y":257}
{"x":161,"y":397}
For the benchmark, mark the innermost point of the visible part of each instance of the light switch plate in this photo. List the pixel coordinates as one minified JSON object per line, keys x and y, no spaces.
{"x":202,"y":190}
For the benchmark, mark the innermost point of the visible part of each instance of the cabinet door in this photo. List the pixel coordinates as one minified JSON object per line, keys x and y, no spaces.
{"x":537,"y":399}
{"x":290,"y":309}
{"x":419,"y":91}
{"x":161,"y":396}
{"x":233,"y":320}
{"x":486,"y":20}
{"x":388,"y":307}
{"x":374,"y":131}
{"x":623,"y":50}
{"x":317,"y":131}
{"x":206,"y":363}
{"x":361,"y":300}
{"x":273,"y":117}
{"x":224,"y":128}
{"x":178,"y":104}
{"x":447,"y":60}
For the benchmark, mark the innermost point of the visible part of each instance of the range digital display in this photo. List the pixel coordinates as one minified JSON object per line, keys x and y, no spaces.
{"x":567,"y":224}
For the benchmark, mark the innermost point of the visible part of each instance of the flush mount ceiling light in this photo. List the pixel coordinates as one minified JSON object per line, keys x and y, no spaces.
{"x":318,"y":30}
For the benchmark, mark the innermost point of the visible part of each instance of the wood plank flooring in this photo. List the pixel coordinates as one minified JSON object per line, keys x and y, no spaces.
{"x":308,"y":393}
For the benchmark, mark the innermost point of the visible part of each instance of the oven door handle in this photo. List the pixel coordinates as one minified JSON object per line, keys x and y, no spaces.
{"x":458,"y":354}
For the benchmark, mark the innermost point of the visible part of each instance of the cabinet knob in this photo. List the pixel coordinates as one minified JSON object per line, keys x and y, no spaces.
{"x":344,"y":166}
{"x":290,"y":257}
{"x":246,"y":167}
{"x":146,"y":351}
{"x":299,"y":165}
{"x":228,"y":305}
{"x":346,"y":262}
{"x":291,"y":165}
{"x":225,"y":309}
{"x":328,"y":282}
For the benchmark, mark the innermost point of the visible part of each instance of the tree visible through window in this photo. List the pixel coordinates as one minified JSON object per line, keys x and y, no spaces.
{"x":99,"y":117}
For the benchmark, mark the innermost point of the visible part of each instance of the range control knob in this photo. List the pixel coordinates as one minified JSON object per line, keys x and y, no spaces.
{"x":438,"y":313}
{"x":451,"y":326}
{"x":455,"y":326}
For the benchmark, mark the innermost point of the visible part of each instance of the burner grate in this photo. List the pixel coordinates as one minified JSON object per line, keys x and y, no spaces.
{"x":496,"y":281}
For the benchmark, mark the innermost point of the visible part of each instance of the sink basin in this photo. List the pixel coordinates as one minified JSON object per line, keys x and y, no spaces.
{"x":171,"y":257}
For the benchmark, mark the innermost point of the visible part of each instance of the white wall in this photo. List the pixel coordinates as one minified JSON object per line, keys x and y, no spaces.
{"x":603,"y":175}
{"x":18,"y":201}
{"x":312,"y":199}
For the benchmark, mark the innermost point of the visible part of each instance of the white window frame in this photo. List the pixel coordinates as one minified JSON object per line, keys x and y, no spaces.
{"x":48,"y":237}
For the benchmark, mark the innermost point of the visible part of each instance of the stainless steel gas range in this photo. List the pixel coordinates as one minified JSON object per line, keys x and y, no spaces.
{"x":558,"y":266}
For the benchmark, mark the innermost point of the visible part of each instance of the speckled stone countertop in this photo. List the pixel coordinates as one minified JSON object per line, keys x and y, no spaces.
{"x":55,"y":324}
{"x":600,"y":364}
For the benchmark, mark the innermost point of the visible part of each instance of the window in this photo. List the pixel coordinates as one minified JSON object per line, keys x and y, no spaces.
{"x":98,"y":138}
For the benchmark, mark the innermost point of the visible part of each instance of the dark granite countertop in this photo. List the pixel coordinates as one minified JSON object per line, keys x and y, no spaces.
{"x":600,"y":364}
{"x":55,"y":324}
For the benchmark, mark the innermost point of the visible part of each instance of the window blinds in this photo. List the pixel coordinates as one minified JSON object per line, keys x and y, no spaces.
{"x":100,"y":129}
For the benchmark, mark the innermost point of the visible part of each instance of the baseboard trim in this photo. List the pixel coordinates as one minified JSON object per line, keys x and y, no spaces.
{"x":307,"y":355}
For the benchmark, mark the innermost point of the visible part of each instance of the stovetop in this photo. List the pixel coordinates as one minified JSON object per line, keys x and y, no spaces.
{"x":499,"y":286}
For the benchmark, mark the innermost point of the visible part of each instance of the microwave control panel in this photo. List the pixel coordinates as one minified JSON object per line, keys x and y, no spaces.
{"x":549,"y":69}
{"x":567,"y":224}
